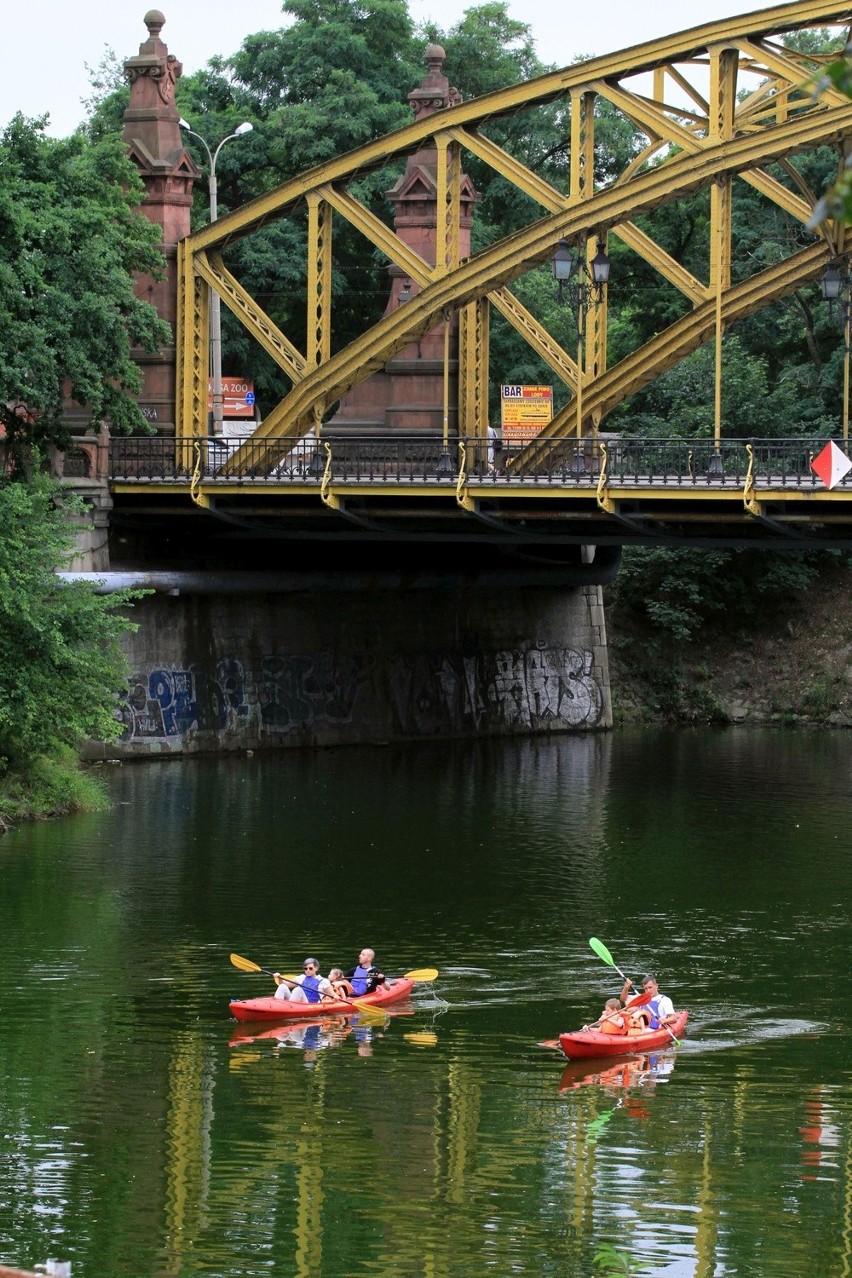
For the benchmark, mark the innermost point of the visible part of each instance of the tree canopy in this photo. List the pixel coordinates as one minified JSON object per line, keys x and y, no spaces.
{"x":71,"y":237}
{"x":61,"y":663}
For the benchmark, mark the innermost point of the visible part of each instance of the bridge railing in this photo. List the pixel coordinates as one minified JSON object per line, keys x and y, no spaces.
{"x":425,"y":460}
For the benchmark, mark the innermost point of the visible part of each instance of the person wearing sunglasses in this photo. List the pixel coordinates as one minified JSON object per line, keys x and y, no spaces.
{"x":310,"y":987}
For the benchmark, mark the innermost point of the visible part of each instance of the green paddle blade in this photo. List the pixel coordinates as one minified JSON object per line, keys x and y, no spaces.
{"x":601,"y":951}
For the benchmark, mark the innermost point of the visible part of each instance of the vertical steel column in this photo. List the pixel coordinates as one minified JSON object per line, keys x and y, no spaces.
{"x":192,"y":355}
{"x":473,"y":368}
{"x":447,"y":239}
{"x":723,"y":98}
{"x":591,"y":320}
{"x":447,"y":231}
{"x":318,"y":347}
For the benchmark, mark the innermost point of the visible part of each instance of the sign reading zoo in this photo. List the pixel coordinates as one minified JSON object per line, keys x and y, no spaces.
{"x":237,"y":397}
{"x":525,"y":410}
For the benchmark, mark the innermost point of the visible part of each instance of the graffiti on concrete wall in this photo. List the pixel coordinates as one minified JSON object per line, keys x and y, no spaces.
{"x":528,"y":688}
{"x":297,"y":691}
{"x":287,"y":693}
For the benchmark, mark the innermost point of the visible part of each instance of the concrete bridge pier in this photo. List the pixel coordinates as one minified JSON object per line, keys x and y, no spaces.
{"x":233,"y":661}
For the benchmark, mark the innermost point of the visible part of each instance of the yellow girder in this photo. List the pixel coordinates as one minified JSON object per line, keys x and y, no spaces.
{"x":318,"y":337}
{"x":707,"y":143}
{"x":212,"y":269}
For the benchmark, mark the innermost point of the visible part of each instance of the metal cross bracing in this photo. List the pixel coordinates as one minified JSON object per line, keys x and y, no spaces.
{"x":717,"y":105}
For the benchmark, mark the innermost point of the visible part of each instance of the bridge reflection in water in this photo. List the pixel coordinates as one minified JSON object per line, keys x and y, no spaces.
{"x":600,"y":489}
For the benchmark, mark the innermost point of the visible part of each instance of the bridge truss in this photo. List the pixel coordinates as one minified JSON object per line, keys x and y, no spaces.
{"x":722,"y":104}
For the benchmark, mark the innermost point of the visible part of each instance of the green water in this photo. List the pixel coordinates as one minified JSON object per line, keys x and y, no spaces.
{"x":144,"y":1133}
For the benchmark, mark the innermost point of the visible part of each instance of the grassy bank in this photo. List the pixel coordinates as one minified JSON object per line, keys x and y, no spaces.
{"x":53,"y":786}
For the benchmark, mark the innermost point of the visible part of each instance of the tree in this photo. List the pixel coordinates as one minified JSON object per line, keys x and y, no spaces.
{"x":61,"y":663}
{"x":71,"y":237}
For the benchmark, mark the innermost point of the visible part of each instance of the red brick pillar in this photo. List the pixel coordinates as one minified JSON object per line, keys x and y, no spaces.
{"x":408,"y":394}
{"x":153,"y":137}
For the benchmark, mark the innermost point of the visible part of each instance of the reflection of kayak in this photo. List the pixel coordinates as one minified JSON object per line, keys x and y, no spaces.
{"x":291,"y":1029}
{"x":281,"y":1009}
{"x":590,"y":1044}
{"x":619,"y":1071}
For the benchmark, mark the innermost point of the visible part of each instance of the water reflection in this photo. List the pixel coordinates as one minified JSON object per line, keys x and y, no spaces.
{"x":142,"y":1132}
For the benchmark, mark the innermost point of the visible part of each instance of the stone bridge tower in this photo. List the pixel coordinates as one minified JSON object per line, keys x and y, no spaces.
{"x":408,"y":393}
{"x":153,"y":137}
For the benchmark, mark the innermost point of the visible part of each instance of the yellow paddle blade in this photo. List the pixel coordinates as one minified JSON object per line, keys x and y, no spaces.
{"x":422,"y":974}
{"x":368,"y":1012}
{"x":422,"y":1038}
{"x":244,"y":964}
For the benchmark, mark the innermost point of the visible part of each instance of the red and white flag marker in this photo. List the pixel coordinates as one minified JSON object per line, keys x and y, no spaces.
{"x":831,"y":464}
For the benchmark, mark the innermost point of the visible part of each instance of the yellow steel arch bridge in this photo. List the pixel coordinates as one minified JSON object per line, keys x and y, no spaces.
{"x":724,"y":104}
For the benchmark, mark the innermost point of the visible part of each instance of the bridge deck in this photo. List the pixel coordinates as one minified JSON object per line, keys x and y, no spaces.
{"x":616,"y":490}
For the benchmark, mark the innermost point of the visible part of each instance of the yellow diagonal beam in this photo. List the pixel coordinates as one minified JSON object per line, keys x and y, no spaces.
{"x":375,"y":230}
{"x":211,"y":268}
{"x":536,"y":336}
{"x":510,"y":168}
{"x":657,"y":257}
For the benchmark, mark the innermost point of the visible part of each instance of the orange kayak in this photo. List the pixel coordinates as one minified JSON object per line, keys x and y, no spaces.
{"x":590,"y":1044}
{"x":281,"y":1009}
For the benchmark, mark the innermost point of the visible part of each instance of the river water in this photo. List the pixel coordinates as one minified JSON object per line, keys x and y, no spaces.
{"x":145,"y":1133}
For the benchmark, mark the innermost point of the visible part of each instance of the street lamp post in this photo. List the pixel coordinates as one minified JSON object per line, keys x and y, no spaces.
{"x":585,"y":283}
{"x":836,"y":285}
{"x":215,"y":305}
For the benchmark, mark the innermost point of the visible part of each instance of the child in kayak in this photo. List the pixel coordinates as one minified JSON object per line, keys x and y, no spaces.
{"x":342,"y":988}
{"x":611,"y":1020}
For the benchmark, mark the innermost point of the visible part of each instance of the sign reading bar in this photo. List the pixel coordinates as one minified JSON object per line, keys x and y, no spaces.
{"x":237,"y":397}
{"x":525,"y":410}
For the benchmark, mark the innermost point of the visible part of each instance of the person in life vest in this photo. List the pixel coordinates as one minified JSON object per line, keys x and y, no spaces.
{"x":339,"y":983}
{"x":660,"y":1008}
{"x":365,"y":976}
{"x":310,"y":987}
{"x":611,"y":1020}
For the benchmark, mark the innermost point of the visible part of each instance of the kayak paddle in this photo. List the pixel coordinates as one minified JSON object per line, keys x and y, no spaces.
{"x":603,"y":953}
{"x":246,"y":965}
{"x":419,"y":973}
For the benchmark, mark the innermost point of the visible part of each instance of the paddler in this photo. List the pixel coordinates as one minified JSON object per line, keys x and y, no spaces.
{"x":310,"y":987}
{"x":659,"y":1007}
{"x":365,"y":976}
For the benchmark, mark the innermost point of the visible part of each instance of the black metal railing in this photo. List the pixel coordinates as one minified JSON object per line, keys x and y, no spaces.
{"x":424,"y":460}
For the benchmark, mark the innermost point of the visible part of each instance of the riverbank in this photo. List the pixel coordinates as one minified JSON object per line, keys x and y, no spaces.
{"x":792,"y":665}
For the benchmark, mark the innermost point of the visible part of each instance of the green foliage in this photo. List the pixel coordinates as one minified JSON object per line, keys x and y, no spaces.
{"x":837,"y":201}
{"x":678,"y":591}
{"x":610,"y":1261}
{"x":50,"y":786}
{"x":70,"y":238}
{"x":61,"y":663}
